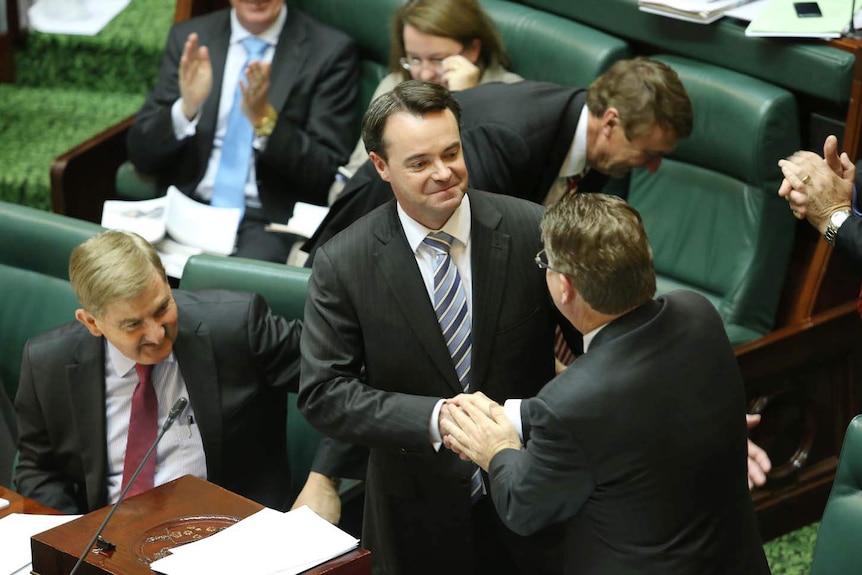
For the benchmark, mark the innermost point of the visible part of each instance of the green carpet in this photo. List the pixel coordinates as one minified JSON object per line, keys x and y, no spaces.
{"x":791,"y":554}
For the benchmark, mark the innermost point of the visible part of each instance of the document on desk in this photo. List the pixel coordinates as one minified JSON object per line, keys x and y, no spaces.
{"x":697,"y":11}
{"x":779,"y":19}
{"x":16,"y":529}
{"x":266,"y":543}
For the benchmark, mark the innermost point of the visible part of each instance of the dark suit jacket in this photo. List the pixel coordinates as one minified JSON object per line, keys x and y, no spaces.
{"x":368,"y":307}
{"x":515,"y":138}
{"x":238,"y":362}
{"x":848,"y":240}
{"x":640,"y":447}
{"x":313,"y":88}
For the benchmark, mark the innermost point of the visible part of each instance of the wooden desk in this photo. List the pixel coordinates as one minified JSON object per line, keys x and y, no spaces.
{"x":76,"y":534}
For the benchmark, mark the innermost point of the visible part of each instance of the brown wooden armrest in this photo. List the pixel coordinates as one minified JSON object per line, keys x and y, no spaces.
{"x":804,"y":379}
{"x":84,"y":177}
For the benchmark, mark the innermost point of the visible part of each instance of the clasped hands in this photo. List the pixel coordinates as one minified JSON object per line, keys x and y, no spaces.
{"x":476,"y":428}
{"x":196,"y":79}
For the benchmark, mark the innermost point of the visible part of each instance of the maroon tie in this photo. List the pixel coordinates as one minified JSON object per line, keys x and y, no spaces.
{"x":143,"y":428}
{"x":572,"y":183}
{"x":562,"y":351}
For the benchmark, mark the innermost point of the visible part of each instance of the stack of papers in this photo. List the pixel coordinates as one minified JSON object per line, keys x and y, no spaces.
{"x":698,"y":11}
{"x":779,"y":19}
{"x":16,"y":530}
{"x":265,"y":543}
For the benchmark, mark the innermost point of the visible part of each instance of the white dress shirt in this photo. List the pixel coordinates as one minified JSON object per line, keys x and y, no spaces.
{"x":180,"y":451}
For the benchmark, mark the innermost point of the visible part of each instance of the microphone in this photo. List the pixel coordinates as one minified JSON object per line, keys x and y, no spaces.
{"x":177,"y":409}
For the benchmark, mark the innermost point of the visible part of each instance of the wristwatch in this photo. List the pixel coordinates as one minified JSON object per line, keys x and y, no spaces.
{"x":266,"y":125}
{"x":835,"y":221}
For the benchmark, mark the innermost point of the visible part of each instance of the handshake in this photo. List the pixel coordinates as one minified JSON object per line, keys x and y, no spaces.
{"x":476,"y":428}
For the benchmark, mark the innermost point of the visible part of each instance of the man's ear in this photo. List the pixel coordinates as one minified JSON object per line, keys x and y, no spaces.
{"x":380,"y":165}
{"x":89,"y":322}
{"x":567,"y":290}
{"x":610,"y":118}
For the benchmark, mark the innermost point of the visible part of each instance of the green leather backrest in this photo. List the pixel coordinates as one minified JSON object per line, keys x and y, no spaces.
{"x":811,"y":68}
{"x":547,"y":48}
{"x":837,"y":551}
{"x":40,"y":241}
{"x":284,"y":288}
{"x":714,"y":219}
{"x":32,"y":303}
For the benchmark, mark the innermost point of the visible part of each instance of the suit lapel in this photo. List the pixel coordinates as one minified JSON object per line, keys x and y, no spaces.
{"x":290,"y":57}
{"x":398,"y":267}
{"x":489,"y":262}
{"x":196,"y":360}
{"x":86,"y":380}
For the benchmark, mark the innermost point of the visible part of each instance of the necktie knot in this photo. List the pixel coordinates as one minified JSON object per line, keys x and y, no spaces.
{"x":439,"y":241}
{"x":145,"y":373}
{"x":255,"y":47}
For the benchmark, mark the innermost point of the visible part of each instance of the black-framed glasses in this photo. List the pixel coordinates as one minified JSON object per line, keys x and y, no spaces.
{"x":541,"y":260}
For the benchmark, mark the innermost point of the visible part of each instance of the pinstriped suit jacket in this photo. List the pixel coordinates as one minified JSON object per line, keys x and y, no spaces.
{"x":368,"y":308}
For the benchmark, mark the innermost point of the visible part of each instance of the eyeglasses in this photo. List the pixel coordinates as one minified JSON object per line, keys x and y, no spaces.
{"x":541,"y":260}
{"x":416,"y":63}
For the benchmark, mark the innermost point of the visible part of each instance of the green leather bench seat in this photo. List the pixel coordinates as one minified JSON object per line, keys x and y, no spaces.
{"x":40,"y":241}
{"x":31,"y":304}
{"x":713,"y":218}
{"x":807,"y":67}
{"x":547,"y":48}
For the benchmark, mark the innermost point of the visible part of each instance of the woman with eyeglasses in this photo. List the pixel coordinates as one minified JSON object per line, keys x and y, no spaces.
{"x":453,"y":43}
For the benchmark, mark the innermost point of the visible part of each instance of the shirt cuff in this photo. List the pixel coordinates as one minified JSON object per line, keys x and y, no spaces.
{"x":183,"y":127}
{"x":434,"y":427}
{"x":512,"y":411}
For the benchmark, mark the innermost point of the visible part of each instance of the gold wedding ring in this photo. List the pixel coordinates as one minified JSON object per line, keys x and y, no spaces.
{"x":805,"y":179}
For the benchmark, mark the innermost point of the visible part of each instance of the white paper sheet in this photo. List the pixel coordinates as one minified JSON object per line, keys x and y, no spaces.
{"x":200,"y":225}
{"x":265,"y":543}
{"x":16,"y":529}
{"x":76,"y":17}
{"x":304,"y":222}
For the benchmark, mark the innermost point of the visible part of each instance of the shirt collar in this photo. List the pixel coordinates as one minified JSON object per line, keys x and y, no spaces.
{"x":270,"y":35}
{"x":123,"y":365}
{"x":589,"y":336}
{"x":458,"y":225}
{"x":576,"y":160}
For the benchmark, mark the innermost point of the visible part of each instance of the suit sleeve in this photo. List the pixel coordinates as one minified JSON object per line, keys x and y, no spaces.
{"x":545,"y":483}
{"x":333,"y":394}
{"x":305,"y":149}
{"x":274,"y":345}
{"x":849,"y":239}
{"x":151,"y":142}
{"x":38,"y":474}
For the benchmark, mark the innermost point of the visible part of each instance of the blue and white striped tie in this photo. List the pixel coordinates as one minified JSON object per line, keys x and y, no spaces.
{"x":450,"y":305}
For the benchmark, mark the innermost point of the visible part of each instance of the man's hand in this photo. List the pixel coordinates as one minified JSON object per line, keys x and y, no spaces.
{"x":255,"y":91}
{"x":477,"y":428}
{"x":758,"y":462}
{"x":196,"y":76}
{"x":459,"y":73}
{"x":321,"y":495}
{"x":816,"y":187}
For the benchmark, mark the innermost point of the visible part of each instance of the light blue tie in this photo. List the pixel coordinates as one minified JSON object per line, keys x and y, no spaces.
{"x":450,"y":305}
{"x":232,"y":174}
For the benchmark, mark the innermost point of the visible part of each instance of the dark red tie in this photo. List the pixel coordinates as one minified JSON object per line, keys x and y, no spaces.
{"x":572,"y":183}
{"x":143,"y":428}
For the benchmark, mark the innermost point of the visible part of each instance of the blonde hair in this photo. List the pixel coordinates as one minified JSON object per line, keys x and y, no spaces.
{"x":460,"y":20}
{"x":112,"y":266}
{"x":599,"y":242}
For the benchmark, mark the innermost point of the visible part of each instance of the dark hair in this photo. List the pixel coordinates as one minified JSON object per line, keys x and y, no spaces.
{"x":414,"y":97}
{"x":646,"y":93}
{"x":460,"y":20}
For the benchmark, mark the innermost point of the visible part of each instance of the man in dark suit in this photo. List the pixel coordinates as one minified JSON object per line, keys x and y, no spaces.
{"x":532,"y":140}
{"x":376,"y":366}
{"x":640,"y":446}
{"x":299,"y":96}
{"x":224,"y":351}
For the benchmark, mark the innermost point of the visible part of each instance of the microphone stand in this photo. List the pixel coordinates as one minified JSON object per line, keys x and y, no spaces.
{"x":852,"y":33}
{"x":176,"y":410}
